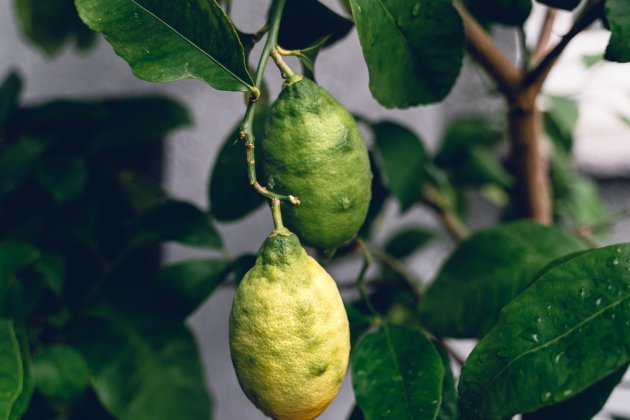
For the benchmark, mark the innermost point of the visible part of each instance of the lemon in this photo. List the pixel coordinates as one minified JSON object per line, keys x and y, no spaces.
{"x":289,"y":333}
{"x":313,"y":149}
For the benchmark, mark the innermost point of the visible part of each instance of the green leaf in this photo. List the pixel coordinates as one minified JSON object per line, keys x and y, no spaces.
{"x":486,"y":271}
{"x":13,"y":257}
{"x":305,"y":22}
{"x":377,"y":203}
{"x":178,"y":221}
{"x":406,"y":241}
{"x":52,"y":267}
{"x":424,"y":39}
{"x":61,"y":373}
{"x":590,"y":60}
{"x":402,"y":156}
{"x":566,"y":332}
{"x":360,"y":323}
{"x":165,"y":41}
{"x":449,"y":410}
{"x":506,"y":12}
{"x":231,"y":196}
{"x":187,"y":284}
{"x":24,"y":399}
{"x":52,"y":23}
{"x":143,"y":192}
{"x":560,"y":121}
{"x":65,"y":177}
{"x":144,"y":366}
{"x":397,"y":374}
{"x":10,"y":91}
{"x":586,"y":404}
{"x":618,"y":16}
{"x":16,"y":162}
{"x":561,"y":4}
{"x":11,"y":369}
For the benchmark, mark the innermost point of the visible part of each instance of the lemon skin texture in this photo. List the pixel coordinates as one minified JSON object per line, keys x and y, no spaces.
{"x":313,"y":149}
{"x":289,"y":332}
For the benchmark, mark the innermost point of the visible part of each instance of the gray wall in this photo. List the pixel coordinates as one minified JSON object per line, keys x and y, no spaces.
{"x":191,"y":152}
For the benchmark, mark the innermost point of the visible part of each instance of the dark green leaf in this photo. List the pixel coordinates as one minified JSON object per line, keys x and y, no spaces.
{"x":486,"y":271}
{"x":13,"y":257}
{"x":64,"y":177}
{"x":10,"y":91}
{"x":231,"y":196}
{"x":360,"y":323}
{"x":11,"y":369}
{"x":144,"y":366}
{"x":356,"y":414}
{"x":305,"y":22}
{"x":449,"y":409}
{"x":22,"y":402}
{"x":53,"y":268}
{"x":586,"y":404}
{"x":52,"y":23}
{"x":187,"y":284}
{"x":424,"y":39}
{"x":377,"y":203}
{"x":618,"y":16}
{"x":507,"y":12}
{"x":561,"y":4}
{"x":403,"y":158}
{"x":180,"y":222}
{"x":560,"y":120}
{"x":241,"y":266}
{"x":61,"y":373}
{"x":142,"y":191}
{"x":566,"y":332}
{"x":397,"y":374}
{"x":406,"y":241}
{"x":16,"y":162}
{"x":165,"y":41}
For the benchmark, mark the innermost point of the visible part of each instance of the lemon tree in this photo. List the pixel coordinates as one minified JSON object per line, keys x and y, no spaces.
{"x":94,"y":327}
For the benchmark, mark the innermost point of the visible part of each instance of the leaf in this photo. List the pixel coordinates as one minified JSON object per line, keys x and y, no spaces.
{"x":486,"y":271}
{"x":560,"y":121}
{"x":506,"y":12}
{"x":10,"y":91}
{"x":16,"y":162}
{"x":590,"y":60}
{"x":231,"y":196}
{"x":178,"y":221}
{"x":52,"y":23}
{"x":397,"y":374}
{"x":165,"y":41}
{"x":561,"y":4}
{"x":356,"y":414}
{"x":360,"y":323}
{"x":144,"y":366}
{"x":377,"y":203}
{"x":406,"y":241}
{"x":23,"y":401}
{"x":187,"y":284}
{"x":566,"y":332}
{"x":13,"y":257}
{"x":618,"y":16}
{"x":11,"y":369}
{"x":142,"y":191}
{"x":425,"y":40}
{"x":305,"y":22}
{"x":586,"y":404}
{"x":61,"y":373}
{"x":449,"y":410}
{"x":65,"y":178}
{"x":402,"y":156}
{"x":52,"y":267}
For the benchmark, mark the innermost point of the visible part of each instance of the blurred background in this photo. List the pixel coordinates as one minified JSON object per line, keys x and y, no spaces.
{"x":602,"y":150}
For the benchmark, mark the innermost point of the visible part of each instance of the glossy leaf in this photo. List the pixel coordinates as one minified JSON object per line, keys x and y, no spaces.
{"x":178,"y":221}
{"x":403,"y":157}
{"x":566,"y":332}
{"x":449,"y":409}
{"x":143,"y":365}
{"x":506,"y":12}
{"x":486,"y":271}
{"x":406,"y":241}
{"x":397,"y":374}
{"x":560,"y":121}
{"x":360,"y":323}
{"x":11,"y":369}
{"x":187,"y":284}
{"x":165,"y":41}
{"x":618,"y":16}
{"x":561,"y":4}
{"x":10,"y":91}
{"x":231,"y":196}
{"x":61,"y":373}
{"x":426,"y":41}
{"x":51,"y":24}
{"x":586,"y":404}
{"x":16,"y":162}
{"x":22,"y":402}
{"x":64,"y":178}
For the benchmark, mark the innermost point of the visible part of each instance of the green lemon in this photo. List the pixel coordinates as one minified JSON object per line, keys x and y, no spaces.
{"x":313,"y":149}
{"x":289,"y":333}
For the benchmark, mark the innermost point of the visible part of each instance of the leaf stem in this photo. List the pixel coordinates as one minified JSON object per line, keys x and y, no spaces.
{"x":287,"y":72}
{"x":247,"y":134}
{"x":367,"y":261}
{"x":276,"y":214}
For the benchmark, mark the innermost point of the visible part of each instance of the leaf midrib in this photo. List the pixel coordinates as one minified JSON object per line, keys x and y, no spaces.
{"x":390,"y":346}
{"x":192,"y":43}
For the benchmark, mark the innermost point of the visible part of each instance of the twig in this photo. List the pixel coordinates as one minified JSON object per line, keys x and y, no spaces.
{"x":544,"y":36}
{"x":360,"y":283}
{"x":399,"y":269}
{"x":433,"y":199}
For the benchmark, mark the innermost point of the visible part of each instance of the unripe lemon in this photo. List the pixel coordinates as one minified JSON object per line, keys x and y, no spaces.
{"x":289,"y":333}
{"x":313,"y":149}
